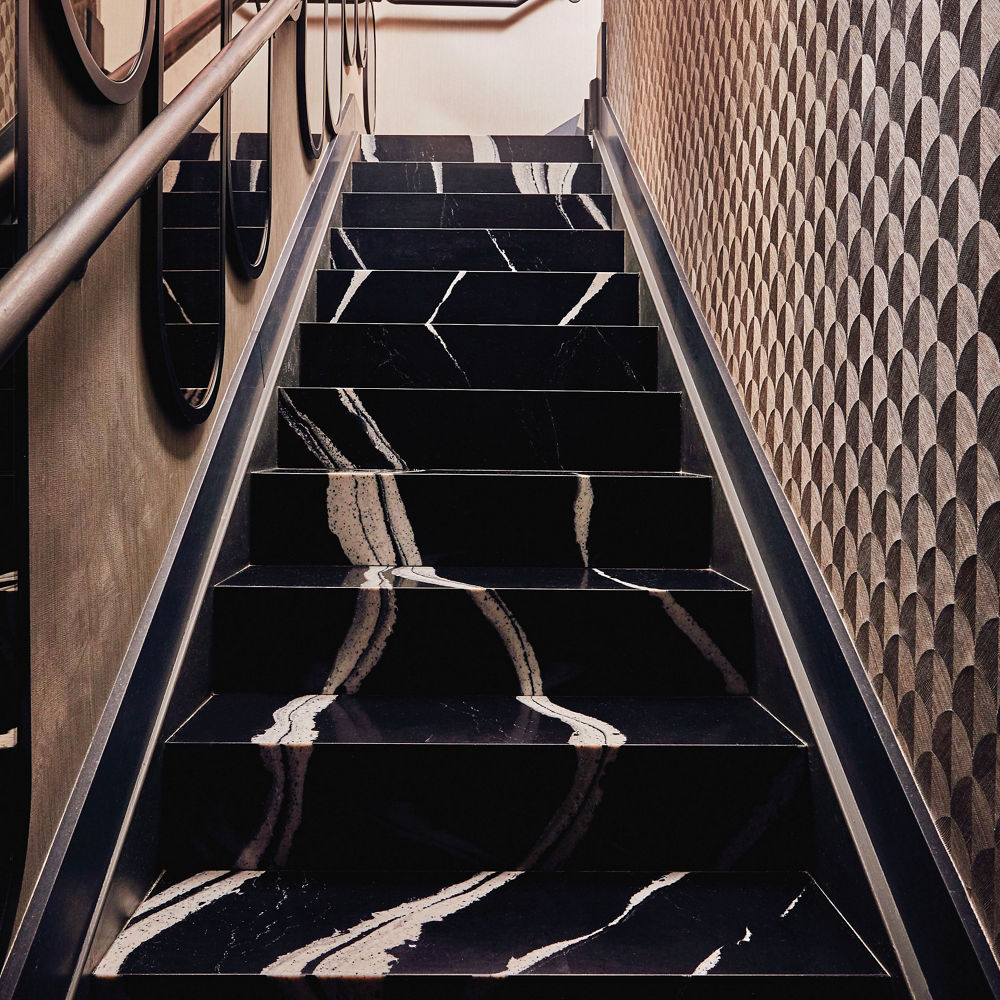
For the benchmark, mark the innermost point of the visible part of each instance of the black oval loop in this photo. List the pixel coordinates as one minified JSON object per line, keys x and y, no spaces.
{"x":369,"y":71}
{"x":248,"y":257}
{"x":117,"y":91}
{"x":356,"y":56}
{"x":312,"y":140}
{"x":333,"y":121}
{"x":184,"y":260}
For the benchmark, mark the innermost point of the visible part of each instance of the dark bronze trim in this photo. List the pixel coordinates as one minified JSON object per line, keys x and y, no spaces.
{"x":369,"y":78}
{"x":17,"y":796}
{"x":121,"y":85}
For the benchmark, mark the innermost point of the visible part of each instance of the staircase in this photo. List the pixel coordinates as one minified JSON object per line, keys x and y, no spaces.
{"x":484,"y":720}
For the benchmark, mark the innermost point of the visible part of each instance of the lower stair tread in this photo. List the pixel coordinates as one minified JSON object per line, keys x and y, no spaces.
{"x":315,"y":720}
{"x":492,"y":577}
{"x":287,"y":925}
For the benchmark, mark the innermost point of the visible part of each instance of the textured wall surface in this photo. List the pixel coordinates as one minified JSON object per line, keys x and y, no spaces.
{"x":829,"y":172}
{"x":8,"y":66}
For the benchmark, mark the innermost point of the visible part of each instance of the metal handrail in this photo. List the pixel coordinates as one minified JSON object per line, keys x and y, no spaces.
{"x":42,"y":274}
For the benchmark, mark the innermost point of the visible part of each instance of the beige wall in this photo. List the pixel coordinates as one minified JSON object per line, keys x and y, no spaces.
{"x":828,"y":172}
{"x":473,"y":72}
{"x":108,"y":472}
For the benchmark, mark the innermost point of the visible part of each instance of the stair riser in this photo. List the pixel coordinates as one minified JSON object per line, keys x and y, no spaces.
{"x":252,"y":146}
{"x":464,"y":211}
{"x":434,"y":429}
{"x":251,"y":207}
{"x":192,"y":175}
{"x":192,"y":350}
{"x":478,"y":357}
{"x":470,"y":178}
{"x":191,"y":296}
{"x":477,"y":149}
{"x":191,"y":249}
{"x":457,"y":987}
{"x":480,"y":520}
{"x":477,"y":250}
{"x":289,"y":640}
{"x":458,"y":297}
{"x":198,"y":146}
{"x":191,"y":210}
{"x":468,"y":808}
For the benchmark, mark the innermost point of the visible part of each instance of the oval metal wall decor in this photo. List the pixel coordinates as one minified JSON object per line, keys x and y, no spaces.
{"x":116,"y":61}
{"x":311,"y":122}
{"x":335,"y":63}
{"x":369,"y":69}
{"x":248,"y":125}
{"x":185,"y":257}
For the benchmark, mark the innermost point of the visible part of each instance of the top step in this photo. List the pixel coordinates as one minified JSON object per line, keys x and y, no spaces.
{"x":477,"y":148}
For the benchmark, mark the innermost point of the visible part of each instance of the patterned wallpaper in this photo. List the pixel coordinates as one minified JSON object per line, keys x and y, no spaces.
{"x":829,"y":172}
{"x":8,"y":69}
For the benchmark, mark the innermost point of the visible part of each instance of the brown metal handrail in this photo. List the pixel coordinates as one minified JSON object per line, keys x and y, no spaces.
{"x":183,"y":36}
{"x":40,"y":277}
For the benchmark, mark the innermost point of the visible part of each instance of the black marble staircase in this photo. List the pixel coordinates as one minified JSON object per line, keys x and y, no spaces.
{"x":485,"y":720}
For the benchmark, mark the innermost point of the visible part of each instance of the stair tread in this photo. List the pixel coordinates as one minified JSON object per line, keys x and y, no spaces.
{"x":475,"y":149}
{"x":498,"y":248}
{"x":526,"y":176}
{"x":331,"y":925}
{"x":476,"y":209}
{"x":494,"y":578}
{"x":458,"y":296}
{"x":685,"y":477}
{"x":487,"y":720}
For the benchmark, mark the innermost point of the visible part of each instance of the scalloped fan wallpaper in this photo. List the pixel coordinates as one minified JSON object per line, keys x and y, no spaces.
{"x":829,"y":172}
{"x":8,"y":68}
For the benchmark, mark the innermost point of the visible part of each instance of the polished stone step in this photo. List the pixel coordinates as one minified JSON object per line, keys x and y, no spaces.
{"x":417,"y":631}
{"x":198,"y":145}
{"x":508,"y":178}
{"x":191,"y":249}
{"x":531,"y":935}
{"x":432,"y":297}
{"x":477,"y":149}
{"x":345,"y":428}
{"x":191,"y":296}
{"x":252,"y":146}
{"x":191,"y":209}
{"x":205,"y":175}
{"x":192,"y":175}
{"x":478,"y":357}
{"x":477,"y":249}
{"x":360,"y":783}
{"x":480,"y":519}
{"x":250,"y":175}
{"x":474,"y":211}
